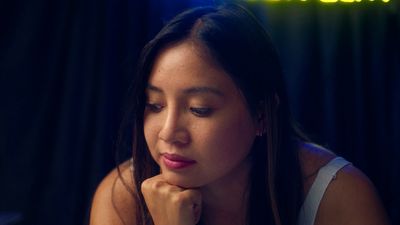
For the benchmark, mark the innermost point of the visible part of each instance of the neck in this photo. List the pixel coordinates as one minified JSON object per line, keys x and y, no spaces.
{"x":225,"y":201}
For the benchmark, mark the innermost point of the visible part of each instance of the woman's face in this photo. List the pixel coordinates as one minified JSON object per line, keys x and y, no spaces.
{"x":197,"y":125}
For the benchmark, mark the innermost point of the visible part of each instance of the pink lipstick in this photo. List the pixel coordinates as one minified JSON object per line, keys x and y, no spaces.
{"x":173,"y":161}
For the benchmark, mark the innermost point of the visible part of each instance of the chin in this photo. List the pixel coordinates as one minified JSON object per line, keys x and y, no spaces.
{"x":183,"y":182}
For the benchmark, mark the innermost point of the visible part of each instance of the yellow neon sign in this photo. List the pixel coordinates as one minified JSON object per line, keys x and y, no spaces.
{"x":323,"y":1}
{"x":351,"y":1}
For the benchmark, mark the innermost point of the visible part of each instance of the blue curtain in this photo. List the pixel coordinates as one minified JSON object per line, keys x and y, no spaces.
{"x":66,"y":65}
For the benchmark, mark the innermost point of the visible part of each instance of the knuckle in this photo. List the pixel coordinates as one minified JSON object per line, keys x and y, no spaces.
{"x":181,"y":198}
{"x":177,"y":199}
{"x":150,"y":184}
{"x":157,"y":184}
{"x":144,"y":186}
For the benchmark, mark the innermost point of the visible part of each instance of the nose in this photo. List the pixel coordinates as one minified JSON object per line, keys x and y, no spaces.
{"x":174,"y":129}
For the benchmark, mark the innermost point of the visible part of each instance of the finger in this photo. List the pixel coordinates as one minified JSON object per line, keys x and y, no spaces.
{"x":157,"y":184}
{"x":194,"y":201}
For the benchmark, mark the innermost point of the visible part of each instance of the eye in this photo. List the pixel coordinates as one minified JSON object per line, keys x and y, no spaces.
{"x":154,"y":107}
{"x":201,"y":111}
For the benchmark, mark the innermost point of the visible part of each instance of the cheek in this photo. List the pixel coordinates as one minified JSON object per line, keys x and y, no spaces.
{"x":150,"y":132}
{"x":229,"y":137}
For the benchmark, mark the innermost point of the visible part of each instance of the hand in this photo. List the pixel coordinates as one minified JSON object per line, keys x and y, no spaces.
{"x":169,"y":204}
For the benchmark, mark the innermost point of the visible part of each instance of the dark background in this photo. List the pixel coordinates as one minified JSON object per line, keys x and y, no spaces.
{"x":65,"y":67}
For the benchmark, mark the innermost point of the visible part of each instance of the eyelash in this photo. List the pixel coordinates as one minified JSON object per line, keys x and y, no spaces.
{"x":201,"y":112}
{"x":197,"y":111}
{"x":154,"y":107}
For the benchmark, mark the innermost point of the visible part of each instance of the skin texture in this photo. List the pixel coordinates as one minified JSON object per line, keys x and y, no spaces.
{"x":113,"y":202}
{"x":350,"y":199}
{"x":195,"y":111}
{"x":178,"y":121}
{"x":218,"y":140}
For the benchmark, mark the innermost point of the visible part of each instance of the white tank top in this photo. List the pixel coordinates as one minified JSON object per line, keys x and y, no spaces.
{"x":325,"y":175}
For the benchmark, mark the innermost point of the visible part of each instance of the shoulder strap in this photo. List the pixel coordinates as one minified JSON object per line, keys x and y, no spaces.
{"x":311,"y":203}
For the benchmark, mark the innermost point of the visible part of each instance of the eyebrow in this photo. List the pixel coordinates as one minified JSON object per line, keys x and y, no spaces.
{"x":192,"y":90}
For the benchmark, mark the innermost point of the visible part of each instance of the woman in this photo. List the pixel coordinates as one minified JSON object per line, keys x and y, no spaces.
{"x":213,"y":142}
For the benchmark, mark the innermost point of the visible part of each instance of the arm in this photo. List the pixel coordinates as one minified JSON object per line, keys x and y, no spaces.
{"x":113,"y":203}
{"x":351,"y":199}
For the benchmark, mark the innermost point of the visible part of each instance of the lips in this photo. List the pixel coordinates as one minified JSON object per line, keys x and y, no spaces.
{"x":174,"y":161}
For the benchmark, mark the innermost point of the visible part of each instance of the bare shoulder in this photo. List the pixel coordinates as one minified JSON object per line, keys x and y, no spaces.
{"x":350,"y":198}
{"x":312,"y":158}
{"x":113,"y":202}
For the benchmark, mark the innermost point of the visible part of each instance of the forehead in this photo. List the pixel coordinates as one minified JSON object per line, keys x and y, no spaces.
{"x":186,"y":64}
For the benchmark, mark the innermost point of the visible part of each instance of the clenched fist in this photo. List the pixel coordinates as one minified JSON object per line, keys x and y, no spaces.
{"x":169,"y":204}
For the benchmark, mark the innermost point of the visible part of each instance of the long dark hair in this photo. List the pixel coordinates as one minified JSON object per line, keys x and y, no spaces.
{"x":240,"y":45}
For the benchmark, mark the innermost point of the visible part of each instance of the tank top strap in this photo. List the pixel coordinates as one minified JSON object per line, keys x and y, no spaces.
{"x":311,"y":203}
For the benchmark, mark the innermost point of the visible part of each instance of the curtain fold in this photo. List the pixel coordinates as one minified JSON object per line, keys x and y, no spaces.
{"x":65,"y":67}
